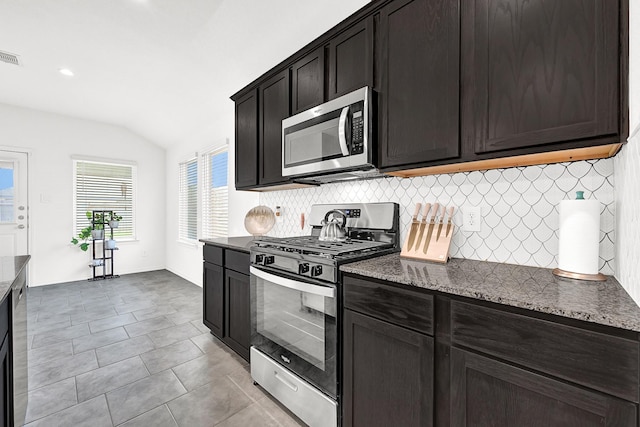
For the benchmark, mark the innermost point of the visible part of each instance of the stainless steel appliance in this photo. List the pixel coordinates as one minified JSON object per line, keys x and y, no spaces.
{"x":295,"y":306}
{"x":331,"y":141}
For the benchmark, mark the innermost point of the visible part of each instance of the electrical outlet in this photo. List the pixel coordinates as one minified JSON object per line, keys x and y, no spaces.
{"x":472,"y":218}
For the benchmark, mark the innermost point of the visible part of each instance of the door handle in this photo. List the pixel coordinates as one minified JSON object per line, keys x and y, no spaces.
{"x":21,"y":226}
{"x":342,"y":135}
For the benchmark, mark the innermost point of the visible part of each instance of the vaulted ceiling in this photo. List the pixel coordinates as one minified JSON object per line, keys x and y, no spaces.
{"x":161,"y":68}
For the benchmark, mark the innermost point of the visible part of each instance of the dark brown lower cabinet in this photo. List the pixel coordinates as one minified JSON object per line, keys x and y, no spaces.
{"x":237,"y":312}
{"x":226,"y":299}
{"x":487,"y":365}
{"x":6,"y":400}
{"x":487,"y":392}
{"x":388,"y":374}
{"x":213,"y":298}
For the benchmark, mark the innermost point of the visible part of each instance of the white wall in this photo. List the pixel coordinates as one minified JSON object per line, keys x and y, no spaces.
{"x":52,"y":139}
{"x":627,"y":173}
{"x":183,"y":259}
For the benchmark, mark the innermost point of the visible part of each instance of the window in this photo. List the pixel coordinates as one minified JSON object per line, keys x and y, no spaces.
{"x":6,"y":192}
{"x":215,"y":194}
{"x":105,"y":186}
{"x":188,"y":200}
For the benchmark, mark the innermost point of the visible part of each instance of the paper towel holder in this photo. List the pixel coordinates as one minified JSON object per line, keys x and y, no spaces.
{"x":598,"y":277}
{"x":579,"y":276}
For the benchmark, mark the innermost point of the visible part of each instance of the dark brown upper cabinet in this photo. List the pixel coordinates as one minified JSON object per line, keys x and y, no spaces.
{"x":274,"y":106}
{"x":419,"y":93}
{"x":539,"y":72}
{"x":247,"y":140}
{"x":351,"y":59}
{"x":307,"y":78}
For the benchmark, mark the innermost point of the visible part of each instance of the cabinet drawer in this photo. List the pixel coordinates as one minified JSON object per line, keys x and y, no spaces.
{"x":596,"y":360}
{"x":237,"y":261}
{"x":401,"y":307}
{"x":212,"y":254}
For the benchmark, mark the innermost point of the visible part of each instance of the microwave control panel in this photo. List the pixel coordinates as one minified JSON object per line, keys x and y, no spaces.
{"x":357,"y":128}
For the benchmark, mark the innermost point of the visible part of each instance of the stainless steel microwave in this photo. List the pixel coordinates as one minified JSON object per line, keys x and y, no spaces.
{"x":331,"y":138}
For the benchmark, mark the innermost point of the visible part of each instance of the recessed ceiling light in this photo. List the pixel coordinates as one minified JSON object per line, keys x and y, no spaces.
{"x":66,"y":72}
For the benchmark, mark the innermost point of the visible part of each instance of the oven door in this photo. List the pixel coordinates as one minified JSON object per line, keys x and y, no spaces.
{"x":293,"y":320}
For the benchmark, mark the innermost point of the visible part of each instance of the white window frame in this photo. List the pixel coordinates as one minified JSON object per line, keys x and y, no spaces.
{"x":203,"y":158}
{"x":134,"y":191}
{"x":181,"y":238}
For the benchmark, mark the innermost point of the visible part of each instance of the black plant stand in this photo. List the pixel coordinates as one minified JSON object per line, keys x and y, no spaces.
{"x":101,"y":253}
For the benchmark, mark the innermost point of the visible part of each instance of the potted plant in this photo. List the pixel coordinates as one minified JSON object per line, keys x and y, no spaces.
{"x":97,"y":233}
{"x":109,"y":244}
{"x":83,"y":236}
{"x":114,"y":220}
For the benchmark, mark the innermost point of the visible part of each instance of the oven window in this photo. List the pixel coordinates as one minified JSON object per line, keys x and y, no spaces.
{"x":295,"y":320}
{"x":312,"y":144}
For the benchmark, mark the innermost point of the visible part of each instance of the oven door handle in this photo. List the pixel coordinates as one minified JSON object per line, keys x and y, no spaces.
{"x":309,"y":288}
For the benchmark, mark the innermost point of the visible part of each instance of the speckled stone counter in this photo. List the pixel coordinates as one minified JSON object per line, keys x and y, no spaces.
{"x":242,"y":244}
{"x":532,"y":288}
{"x":10,"y":267}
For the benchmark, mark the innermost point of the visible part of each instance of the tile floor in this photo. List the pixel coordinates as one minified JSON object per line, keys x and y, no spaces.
{"x":133,"y":351}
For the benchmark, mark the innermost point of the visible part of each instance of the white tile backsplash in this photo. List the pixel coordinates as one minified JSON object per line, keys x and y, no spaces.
{"x":519,"y":207}
{"x":627,"y":173}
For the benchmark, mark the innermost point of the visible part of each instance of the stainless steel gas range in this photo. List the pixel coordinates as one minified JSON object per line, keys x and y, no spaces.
{"x":296,"y":303}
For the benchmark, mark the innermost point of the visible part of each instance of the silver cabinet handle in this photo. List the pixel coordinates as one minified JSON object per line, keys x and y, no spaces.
{"x":324,"y":291}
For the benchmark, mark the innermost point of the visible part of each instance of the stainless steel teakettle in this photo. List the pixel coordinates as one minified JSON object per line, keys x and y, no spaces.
{"x":331,"y":230}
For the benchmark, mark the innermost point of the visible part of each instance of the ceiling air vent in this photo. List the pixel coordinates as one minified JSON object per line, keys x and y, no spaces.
{"x":9,"y":58}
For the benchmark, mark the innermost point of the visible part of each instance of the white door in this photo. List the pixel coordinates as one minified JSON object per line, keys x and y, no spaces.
{"x":13,"y":204}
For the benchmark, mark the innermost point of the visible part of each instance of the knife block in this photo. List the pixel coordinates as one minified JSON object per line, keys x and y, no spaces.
{"x":438,"y":249}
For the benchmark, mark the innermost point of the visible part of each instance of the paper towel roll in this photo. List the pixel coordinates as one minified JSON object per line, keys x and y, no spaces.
{"x":579,"y":236}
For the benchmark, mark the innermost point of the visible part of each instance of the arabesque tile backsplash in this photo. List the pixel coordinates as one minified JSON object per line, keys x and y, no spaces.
{"x":519,"y":207}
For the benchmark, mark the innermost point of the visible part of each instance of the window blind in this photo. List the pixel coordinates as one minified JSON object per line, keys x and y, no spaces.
{"x":215,"y":205}
{"x":105,"y":186}
{"x":188,"y":200}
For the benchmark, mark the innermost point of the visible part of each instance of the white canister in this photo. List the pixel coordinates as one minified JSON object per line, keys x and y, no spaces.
{"x":579,"y":236}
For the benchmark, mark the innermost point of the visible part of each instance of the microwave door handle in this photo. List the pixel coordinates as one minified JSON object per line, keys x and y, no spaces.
{"x":294,"y":284}
{"x":342,"y":134}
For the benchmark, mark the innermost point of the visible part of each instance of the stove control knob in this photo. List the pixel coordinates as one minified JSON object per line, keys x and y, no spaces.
{"x":303,"y":268}
{"x":316,"y":270}
{"x":259,"y":259}
{"x":269,"y":260}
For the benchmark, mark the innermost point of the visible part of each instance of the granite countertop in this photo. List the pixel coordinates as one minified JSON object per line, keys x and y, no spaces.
{"x":533,"y":288}
{"x":10,"y":267}
{"x":242,"y":243}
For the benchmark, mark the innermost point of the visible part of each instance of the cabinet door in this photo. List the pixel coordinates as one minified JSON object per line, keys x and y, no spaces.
{"x":307,"y":78}
{"x":274,"y":106}
{"x":213,"y":298}
{"x":247,"y":140}
{"x":485,"y":392}
{"x":418,"y":98}
{"x":237,"y":312}
{"x":6,"y":398}
{"x":351,"y":59}
{"x":538,"y":72}
{"x":388,"y":374}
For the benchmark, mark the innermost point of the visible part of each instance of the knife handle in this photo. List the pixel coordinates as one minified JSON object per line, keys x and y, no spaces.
{"x":417,"y":211}
{"x":436,"y":208}
{"x":425,"y":211}
{"x":450,"y":213}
